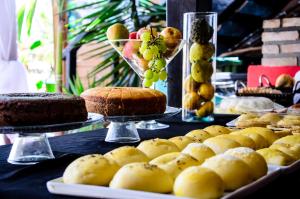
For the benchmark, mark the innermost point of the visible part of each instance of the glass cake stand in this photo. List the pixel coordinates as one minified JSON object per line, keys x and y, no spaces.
{"x":122,"y":129}
{"x":127,"y":49}
{"x":32,"y":144}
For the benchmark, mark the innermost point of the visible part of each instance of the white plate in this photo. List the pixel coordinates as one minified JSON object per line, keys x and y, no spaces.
{"x":56,"y":186}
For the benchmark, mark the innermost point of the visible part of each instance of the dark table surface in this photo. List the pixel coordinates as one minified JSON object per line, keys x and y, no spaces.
{"x":30,"y":181}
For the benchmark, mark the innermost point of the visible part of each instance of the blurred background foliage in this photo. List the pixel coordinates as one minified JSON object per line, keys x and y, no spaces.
{"x":91,"y":25}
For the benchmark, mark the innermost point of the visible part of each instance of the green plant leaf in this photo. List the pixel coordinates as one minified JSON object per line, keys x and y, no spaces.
{"x":30,"y":15}
{"x":35,"y":44}
{"x":95,"y":24}
{"x":20,"y":19}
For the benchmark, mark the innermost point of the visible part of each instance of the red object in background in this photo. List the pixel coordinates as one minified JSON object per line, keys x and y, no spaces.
{"x":132,"y":35}
{"x":272,"y":72}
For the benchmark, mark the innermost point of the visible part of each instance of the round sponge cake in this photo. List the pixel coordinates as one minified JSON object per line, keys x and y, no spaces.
{"x":114,"y":101}
{"x":17,"y":109}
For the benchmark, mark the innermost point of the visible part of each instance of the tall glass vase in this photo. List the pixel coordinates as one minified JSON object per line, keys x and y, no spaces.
{"x":199,"y":66}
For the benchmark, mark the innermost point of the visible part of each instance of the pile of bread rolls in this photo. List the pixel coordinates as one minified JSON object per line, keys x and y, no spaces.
{"x":184,"y":165}
{"x":272,"y":120}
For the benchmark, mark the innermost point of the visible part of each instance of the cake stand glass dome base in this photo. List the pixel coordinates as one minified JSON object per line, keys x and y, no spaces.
{"x":151,"y":125}
{"x":30,"y":149}
{"x":32,"y":145}
{"x":122,"y":129}
{"x":122,"y":132}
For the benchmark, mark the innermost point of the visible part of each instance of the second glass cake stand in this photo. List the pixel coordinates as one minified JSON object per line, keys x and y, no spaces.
{"x":32,"y":145}
{"x":122,"y":129}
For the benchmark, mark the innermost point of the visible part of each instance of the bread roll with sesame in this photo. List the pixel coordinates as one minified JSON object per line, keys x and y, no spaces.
{"x":199,"y":135}
{"x":254,"y":160}
{"x":157,"y":147}
{"x":126,"y":154}
{"x":182,"y":141}
{"x":90,"y":169}
{"x":142,"y":177}
{"x":234,"y":172}
{"x":220,"y":144}
{"x":215,"y":130}
{"x":276,"y":157}
{"x":175,"y":164}
{"x":199,"y":182}
{"x":199,"y":151}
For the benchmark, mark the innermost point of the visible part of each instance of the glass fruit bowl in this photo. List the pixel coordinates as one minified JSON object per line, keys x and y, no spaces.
{"x":129,"y":49}
{"x":149,"y":59}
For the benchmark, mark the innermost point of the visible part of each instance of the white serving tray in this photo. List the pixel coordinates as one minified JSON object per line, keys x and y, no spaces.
{"x":291,"y":168}
{"x":56,"y":186}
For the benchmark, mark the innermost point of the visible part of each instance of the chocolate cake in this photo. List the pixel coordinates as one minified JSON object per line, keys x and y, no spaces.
{"x":18,"y":109}
{"x":113,"y":101}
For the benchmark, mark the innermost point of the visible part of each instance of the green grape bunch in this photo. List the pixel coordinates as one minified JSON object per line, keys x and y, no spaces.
{"x":152,"y":49}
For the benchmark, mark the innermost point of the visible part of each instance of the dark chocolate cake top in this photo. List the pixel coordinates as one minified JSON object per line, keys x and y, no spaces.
{"x":37,"y":96}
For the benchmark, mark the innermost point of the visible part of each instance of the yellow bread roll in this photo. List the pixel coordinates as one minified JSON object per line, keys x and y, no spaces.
{"x":90,"y":169}
{"x":143,"y":177}
{"x":283,"y":133}
{"x":270,"y":118}
{"x":199,"y":182}
{"x":260,"y":141}
{"x":182,"y":141}
{"x":250,"y":123}
{"x":220,"y":144}
{"x":290,"y":139}
{"x":268,"y":134}
{"x":199,"y":135}
{"x":291,"y":117}
{"x":234,"y":172}
{"x":254,"y":160}
{"x":199,"y":151}
{"x":288,"y":123}
{"x":176,"y":165}
{"x":157,"y":147}
{"x":275,"y":157}
{"x":126,"y":154}
{"x":165,"y":158}
{"x":215,"y":130}
{"x":246,"y":116}
{"x":293,"y":151}
{"x":241,"y":139}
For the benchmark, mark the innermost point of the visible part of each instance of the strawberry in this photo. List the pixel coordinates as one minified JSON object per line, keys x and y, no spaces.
{"x":132,"y":35}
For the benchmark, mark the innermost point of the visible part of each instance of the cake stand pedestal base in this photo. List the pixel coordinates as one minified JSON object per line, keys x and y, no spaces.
{"x":30,"y":149}
{"x":122,"y":132}
{"x":151,"y":125}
